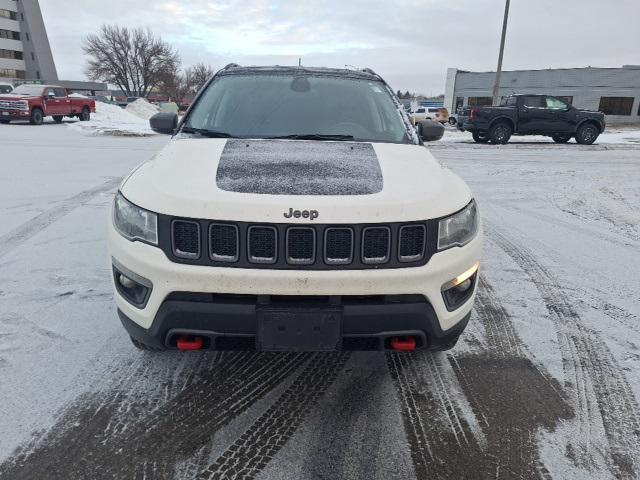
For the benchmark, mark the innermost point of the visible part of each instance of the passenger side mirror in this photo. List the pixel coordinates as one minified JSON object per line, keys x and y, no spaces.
{"x":430,"y":131}
{"x":165,"y":122}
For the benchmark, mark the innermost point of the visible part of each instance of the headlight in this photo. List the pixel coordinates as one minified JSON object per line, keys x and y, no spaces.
{"x":458,"y":229}
{"x":134,"y":223}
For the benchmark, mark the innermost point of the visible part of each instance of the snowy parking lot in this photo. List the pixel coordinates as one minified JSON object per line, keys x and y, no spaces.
{"x":545,"y":382}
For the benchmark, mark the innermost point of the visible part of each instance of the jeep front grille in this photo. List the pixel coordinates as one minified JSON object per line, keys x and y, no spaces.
{"x":412,"y":242}
{"x":338,"y":246}
{"x":376,"y":245}
{"x":301,"y":245}
{"x":262,"y":243}
{"x":186,"y":239}
{"x":297,"y":246}
{"x":223,"y":242}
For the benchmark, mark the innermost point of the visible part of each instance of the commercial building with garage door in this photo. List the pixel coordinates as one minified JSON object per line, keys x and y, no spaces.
{"x":614,"y":91}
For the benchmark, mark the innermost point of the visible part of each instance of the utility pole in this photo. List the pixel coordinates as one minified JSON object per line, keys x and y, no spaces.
{"x":496,"y":87}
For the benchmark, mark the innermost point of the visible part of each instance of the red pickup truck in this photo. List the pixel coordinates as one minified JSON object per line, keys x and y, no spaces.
{"x":34,"y":102}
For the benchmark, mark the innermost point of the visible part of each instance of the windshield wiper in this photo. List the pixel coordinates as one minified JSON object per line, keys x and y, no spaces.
{"x":207,"y":133}
{"x":314,"y":136}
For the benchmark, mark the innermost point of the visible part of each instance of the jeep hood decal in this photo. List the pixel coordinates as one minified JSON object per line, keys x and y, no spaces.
{"x":294,"y":167}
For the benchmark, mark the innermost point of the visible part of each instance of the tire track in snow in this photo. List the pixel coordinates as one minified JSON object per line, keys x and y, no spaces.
{"x":113,"y":435}
{"x":354,"y":433}
{"x":510,"y":397}
{"x":441,"y":442}
{"x":591,"y":365}
{"x":24,"y":232}
{"x":257,"y":446}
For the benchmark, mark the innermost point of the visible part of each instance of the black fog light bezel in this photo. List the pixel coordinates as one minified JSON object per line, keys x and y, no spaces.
{"x":142,"y":285}
{"x":454,"y":299}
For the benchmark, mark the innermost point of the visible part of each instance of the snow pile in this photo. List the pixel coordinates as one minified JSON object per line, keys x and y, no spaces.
{"x":113,"y":120}
{"x":142,"y":108}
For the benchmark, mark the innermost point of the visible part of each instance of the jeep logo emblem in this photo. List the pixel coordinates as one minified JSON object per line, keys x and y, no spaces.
{"x":310,"y":214}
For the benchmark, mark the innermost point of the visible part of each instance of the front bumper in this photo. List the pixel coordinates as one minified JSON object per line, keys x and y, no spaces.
{"x":14,"y":114}
{"x":181,"y":298}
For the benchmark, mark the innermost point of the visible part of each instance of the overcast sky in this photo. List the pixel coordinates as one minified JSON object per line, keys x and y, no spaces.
{"x":410,"y":43}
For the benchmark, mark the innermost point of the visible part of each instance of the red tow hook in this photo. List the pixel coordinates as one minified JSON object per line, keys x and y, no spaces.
{"x":403,"y":344}
{"x":186,"y":343}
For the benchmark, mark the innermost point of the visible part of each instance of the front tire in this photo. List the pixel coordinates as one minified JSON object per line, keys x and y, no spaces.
{"x":85,"y":116}
{"x":58,"y":118}
{"x":36,"y":117}
{"x":500,"y":133}
{"x":4,"y":121}
{"x":587,"y":134}
{"x":479,"y":138}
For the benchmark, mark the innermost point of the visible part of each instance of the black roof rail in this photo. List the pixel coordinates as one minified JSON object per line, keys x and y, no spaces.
{"x":368,"y":70}
{"x":231,"y":65}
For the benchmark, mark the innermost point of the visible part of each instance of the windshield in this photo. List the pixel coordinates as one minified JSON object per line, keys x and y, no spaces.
{"x":267,"y":106}
{"x":28,"y":90}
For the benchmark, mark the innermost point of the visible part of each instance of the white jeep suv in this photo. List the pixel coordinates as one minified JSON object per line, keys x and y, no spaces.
{"x":294,"y":209}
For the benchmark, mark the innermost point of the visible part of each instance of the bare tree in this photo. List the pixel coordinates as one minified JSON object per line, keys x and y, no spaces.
{"x":133,"y":59}
{"x":179,"y":85}
{"x":201,"y":74}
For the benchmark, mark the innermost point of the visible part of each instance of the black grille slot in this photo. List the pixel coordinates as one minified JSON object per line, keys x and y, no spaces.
{"x":376,"y":244}
{"x":301,"y":245}
{"x":223,"y":242}
{"x":338,"y":246}
{"x":186,"y":239}
{"x":412,"y":243}
{"x":262,"y":244}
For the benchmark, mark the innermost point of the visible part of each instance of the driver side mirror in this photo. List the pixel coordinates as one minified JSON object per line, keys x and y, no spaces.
{"x":164,"y":122}
{"x":51,"y":94}
{"x":430,"y":131}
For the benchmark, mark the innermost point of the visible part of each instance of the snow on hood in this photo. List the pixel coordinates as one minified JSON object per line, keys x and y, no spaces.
{"x":299,"y":168}
{"x":182,"y":181}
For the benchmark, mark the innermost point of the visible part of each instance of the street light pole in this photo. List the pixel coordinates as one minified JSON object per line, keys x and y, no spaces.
{"x":496,"y":86}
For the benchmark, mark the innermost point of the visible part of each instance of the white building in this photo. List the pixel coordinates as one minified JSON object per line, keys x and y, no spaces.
{"x":614,"y":91}
{"x":25,"y":53}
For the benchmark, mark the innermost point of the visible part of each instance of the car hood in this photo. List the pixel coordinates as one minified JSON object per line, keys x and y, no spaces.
{"x":16,"y":96}
{"x":590,"y":112}
{"x":261,"y":180}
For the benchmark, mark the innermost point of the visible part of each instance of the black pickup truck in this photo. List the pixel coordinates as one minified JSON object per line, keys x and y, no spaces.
{"x":531,"y":115}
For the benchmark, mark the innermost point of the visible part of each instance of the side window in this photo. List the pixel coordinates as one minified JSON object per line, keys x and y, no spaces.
{"x":60,"y":92}
{"x":534,"y":102}
{"x":555,"y":104}
{"x":48,"y":92}
{"x":512,"y":101}
{"x":420,"y":110}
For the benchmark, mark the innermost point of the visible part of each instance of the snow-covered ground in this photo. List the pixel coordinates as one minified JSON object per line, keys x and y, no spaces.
{"x":132,"y":121}
{"x":544,"y":384}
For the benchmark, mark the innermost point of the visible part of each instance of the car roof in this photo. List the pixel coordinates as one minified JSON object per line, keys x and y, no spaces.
{"x":365,"y":74}
{"x":41,"y":86}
